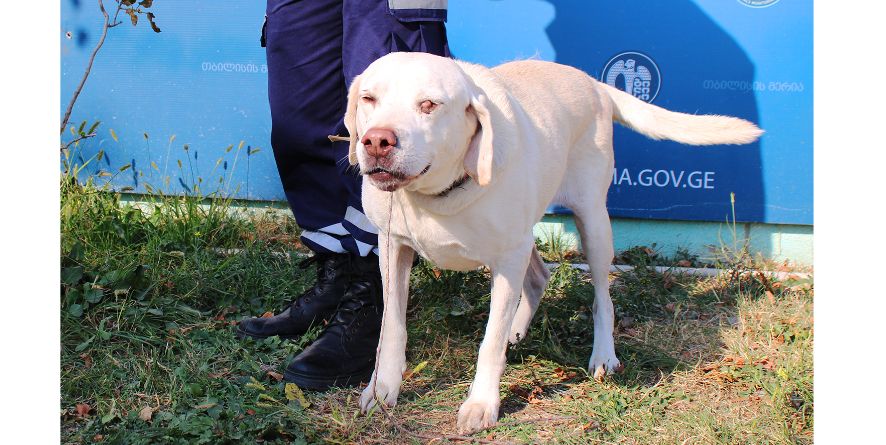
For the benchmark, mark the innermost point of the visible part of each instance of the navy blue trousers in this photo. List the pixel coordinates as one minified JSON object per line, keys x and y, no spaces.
{"x":315,"y":48}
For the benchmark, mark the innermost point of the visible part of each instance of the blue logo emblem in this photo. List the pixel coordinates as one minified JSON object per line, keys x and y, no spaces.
{"x":634,"y":73}
{"x":758,"y":3}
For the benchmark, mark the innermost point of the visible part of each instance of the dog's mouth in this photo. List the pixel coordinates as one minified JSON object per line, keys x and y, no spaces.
{"x":390,"y":180}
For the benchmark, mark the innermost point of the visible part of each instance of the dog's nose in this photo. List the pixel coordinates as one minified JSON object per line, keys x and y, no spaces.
{"x":379,"y":142}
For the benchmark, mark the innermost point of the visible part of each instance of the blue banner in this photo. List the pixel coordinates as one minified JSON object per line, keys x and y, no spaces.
{"x":180,"y":102}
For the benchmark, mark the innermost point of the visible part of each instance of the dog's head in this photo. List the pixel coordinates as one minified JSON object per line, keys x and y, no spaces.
{"x":419,"y":122}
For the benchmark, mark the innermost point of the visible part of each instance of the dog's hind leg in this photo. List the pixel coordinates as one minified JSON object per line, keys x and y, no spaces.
{"x":534,"y":284}
{"x":593,"y":224}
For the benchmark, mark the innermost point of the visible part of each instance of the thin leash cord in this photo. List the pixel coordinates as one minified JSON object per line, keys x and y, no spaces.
{"x":384,"y":297}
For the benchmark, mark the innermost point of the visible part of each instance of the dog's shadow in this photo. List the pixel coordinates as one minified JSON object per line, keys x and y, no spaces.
{"x":663,"y":326}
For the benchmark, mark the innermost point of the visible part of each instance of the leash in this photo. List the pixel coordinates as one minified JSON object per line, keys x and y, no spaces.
{"x":387,"y":285}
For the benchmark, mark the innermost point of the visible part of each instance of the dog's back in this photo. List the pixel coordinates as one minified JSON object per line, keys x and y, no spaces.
{"x":554,"y":94}
{"x":536,"y":82}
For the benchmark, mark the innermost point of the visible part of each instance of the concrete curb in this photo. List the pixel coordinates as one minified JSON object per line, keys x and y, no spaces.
{"x":620,"y":268}
{"x":696,"y":271}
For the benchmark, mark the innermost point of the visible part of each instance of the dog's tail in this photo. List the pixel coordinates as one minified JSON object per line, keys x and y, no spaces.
{"x":657,"y":123}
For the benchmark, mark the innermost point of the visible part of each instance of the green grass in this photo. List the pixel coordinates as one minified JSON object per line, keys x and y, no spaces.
{"x":149,"y":299}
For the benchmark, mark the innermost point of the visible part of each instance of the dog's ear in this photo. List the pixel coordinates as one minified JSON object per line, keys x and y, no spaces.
{"x":351,"y":119}
{"x":479,"y":157}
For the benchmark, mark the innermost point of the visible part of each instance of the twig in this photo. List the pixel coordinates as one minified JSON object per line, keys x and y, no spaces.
{"x":101,"y":42}
{"x":116,"y":14}
{"x":87,"y":136}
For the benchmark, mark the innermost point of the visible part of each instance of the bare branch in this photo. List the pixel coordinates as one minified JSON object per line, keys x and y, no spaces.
{"x":101,"y":42}
{"x":119,"y":7}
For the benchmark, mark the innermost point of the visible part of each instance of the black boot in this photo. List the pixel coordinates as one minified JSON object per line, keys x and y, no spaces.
{"x":344,"y":353}
{"x":315,"y":305}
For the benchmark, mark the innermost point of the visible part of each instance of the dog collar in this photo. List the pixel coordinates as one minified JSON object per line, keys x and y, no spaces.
{"x":458,"y":183}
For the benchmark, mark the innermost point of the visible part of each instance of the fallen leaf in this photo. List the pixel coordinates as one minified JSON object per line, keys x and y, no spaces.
{"x":670,"y":307}
{"x":684,"y":263}
{"x":87,"y":360}
{"x":766,"y":363}
{"x":535,"y":393}
{"x":146,"y":413}
{"x":275,"y":375}
{"x":518,"y":391}
{"x":437,"y":273}
{"x":83,"y":409}
{"x":250,"y":411}
{"x":710,"y":367}
{"x":418,"y":368}
{"x":293,"y":392}
{"x":98,"y":438}
{"x":770,"y":297}
{"x":267,"y":315}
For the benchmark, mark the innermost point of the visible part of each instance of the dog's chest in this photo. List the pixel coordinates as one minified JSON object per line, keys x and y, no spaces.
{"x":446,"y":256}
{"x":442,"y":240}
{"x":437,"y":243}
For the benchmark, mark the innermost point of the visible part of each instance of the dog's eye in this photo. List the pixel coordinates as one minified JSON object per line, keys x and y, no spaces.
{"x":367,"y":99}
{"x":427,"y":106}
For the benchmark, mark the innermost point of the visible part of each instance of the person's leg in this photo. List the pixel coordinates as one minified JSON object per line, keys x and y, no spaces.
{"x":314,"y":49}
{"x":344,"y":354}
{"x":306,"y":94}
{"x":371,"y":30}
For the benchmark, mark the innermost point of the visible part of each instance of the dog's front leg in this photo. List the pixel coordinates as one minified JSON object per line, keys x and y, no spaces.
{"x":480,"y":410}
{"x":396,"y":262}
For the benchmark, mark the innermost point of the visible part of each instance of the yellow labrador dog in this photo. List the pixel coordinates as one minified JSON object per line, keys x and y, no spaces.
{"x":460,"y":161}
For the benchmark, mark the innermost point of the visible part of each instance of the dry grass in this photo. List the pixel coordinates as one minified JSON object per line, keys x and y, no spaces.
{"x":698,"y":374}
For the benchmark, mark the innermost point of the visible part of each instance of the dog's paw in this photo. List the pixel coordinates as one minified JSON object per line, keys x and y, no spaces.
{"x":516,"y":336}
{"x":602,"y":364}
{"x":379,"y":390}
{"x":475,"y":415}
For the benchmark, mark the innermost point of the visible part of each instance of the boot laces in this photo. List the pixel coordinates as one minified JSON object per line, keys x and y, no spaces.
{"x":324,"y":270}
